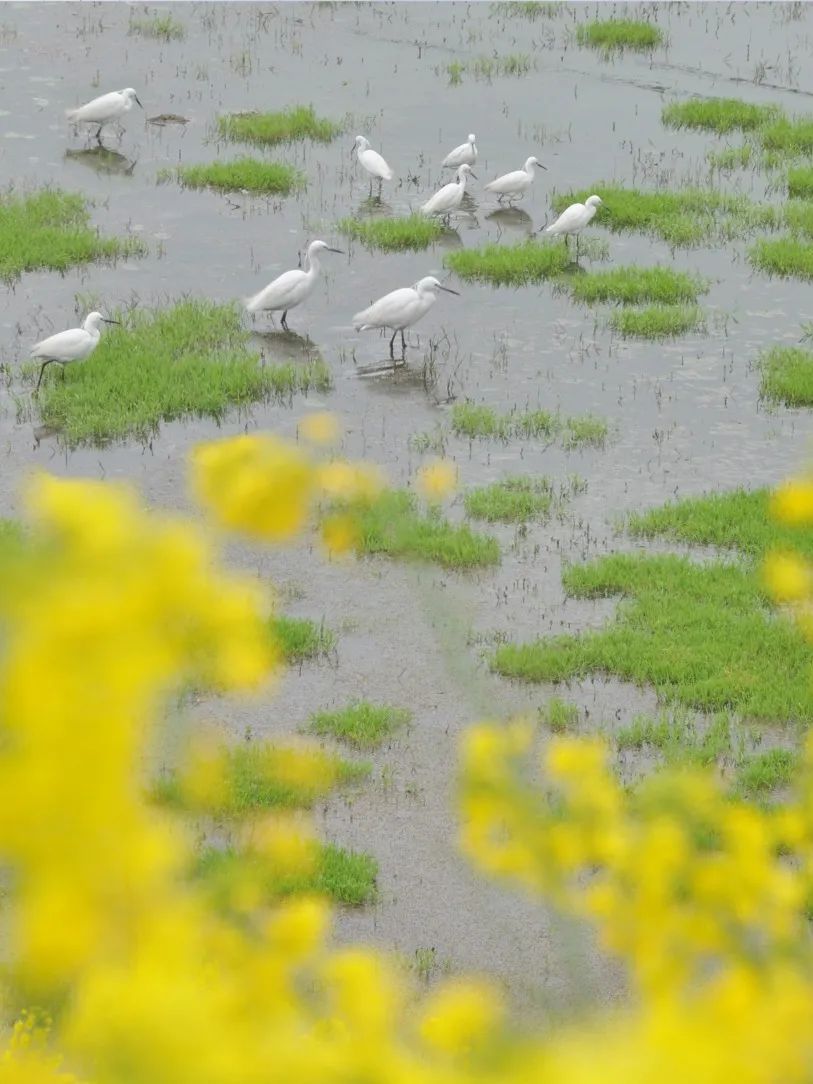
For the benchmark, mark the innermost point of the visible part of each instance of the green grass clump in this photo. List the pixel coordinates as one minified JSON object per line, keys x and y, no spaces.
{"x":633,"y":285}
{"x":232,"y":876}
{"x":788,"y":137}
{"x":800,"y":182}
{"x":798,"y":217}
{"x":487,"y":67}
{"x":242,"y":174}
{"x":677,"y":737}
{"x":473,"y":421}
{"x":299,"y":638}
{"x":759,"y":774}
{"x":393,"y":234}
{"x":288,"y":126}
{"x":703,"y":635}
{"x":718,"y":115}
{"x":163,"y":27}
{"x":559,"y":715}
{"x":656,"y":321}
{"x":585,"y":431}
{"x":190,"y":359}
{"x":393,"y":526}
{"x":513,"y":500}
{"x":735,"y":519}
{"x":526,"y":9}
{"x":509,"y":265}
{"x":787,"y":257}
{"x":613,"y":34}
{"x":787,"y":375}
{"x":361,"y":724}
{"x":51,"y":229}
{"x":731,"y":158}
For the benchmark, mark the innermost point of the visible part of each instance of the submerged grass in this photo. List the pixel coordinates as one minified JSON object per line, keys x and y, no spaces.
{"x":720,"y":115}
{"x":360,"y":724}
{"x":190,"y":359}
{"x":761,"y":773}
{"x":731,"y":158}
{"x":787,"y":375}
{"x":51,"y":229}
{"x":634,"y":285}
{"x":240,"y":175}
{"x":703,"y":636}
{"x":613,"y":34}
{"x":559,"y":715}
{"x":527,"y":9}
{"x":162,"y":27}
{"x":477,"y":421}
{"x":657,"y":321}
{"x":787,"y":257}
{"x":509,"y":265}
{"x":287,"y":126}
{"x":677,"y":737}
{"x":788,"y":136}
{"x":513,"y":500}
{"x":800,"y":182}
{"x":393,"y":234}
{"x":299,"y":638}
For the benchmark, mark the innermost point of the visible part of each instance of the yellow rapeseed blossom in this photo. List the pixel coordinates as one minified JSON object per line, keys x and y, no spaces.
{"x":437,"y":479}
{"x":321,"y":427}
{"x":787,"y":577}
{"x":460,"y":1015}
{"x":793,"y":502}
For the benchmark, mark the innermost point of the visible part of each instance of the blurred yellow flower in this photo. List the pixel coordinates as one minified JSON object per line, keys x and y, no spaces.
{"x":793,"y":502}
{"x":437,"y":479}
{"x":459,"y":1015}
{"x":321,"y":427}
{"x":788,"y":578}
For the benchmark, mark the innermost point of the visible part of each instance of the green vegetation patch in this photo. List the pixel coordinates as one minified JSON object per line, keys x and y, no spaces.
{"x":527,"y":9}
{"x":677,"y":737}
{"x":559,"y":715}
{"x":613,"y":34}
{"x":393,"y":234}
{"x":393,"y":526}
{"x":241,"y":175}
{"x":788,"y":137}
{"x":704,"y":636}
{"x":761,"y":773}
{"x":51,"y":229}
{"x":798,"y":217}
{"x":234,"y":877}
{"x":585,"y":431}
{"x":299,"y":638}
{"x":720,"y":115}
{"x":509,"y":265}
{"x":361,"y":724}
{"x":787,"y":375}
{"x":787,"y":257}
{"x":634,"y":285}
{"x":476,"y":421}
{"x":657,"y":321}
{"x":162,"y":27}
{"x":800,"y":182}
{"x":730,"y":158}
{"x":513,"y":500}
{"x":290,"y":125}
{"x":190,"y":359}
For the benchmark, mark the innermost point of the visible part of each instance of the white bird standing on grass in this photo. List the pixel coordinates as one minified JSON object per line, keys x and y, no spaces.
{"x":464,"y":155}
{"x":290,"y":288}
{"x":574,"y":218}
{"x":516,"y":184}
{"x":68,"y":346}
{"x":103,"y":110}
{"x":372,"y":162}
{"x":448,"y":198}
{"x":401,"y":309}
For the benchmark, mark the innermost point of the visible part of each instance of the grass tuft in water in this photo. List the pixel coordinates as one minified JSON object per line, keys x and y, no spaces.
{"x":787,"y":375}
{"x":240,"y":175}
{"x":299,"y":638}
{"x":800,"y":182}
{"x":527,"y":9}
{"x":613,"y":34}
{"x":288,"y":126}
{"x":361,"y":724}
{"x":761,"y":773}
{"x":473,"y":421}
{"x":393,"y":234}
{"x":161,"y":27}
{"x":558,"y":715}
{"x":634,"y":285}
{"x":510,"y":265}
{"x":513,"y":500}
{"x":488,"y":67}
{"x":190,"y":359}
{"x":731,"y":158}
{"x":657,"y":321}
{"x":787,"y":257}
{"x":788,"y":137}
{"x":720,"y":115}
{"x":585,"y":431}
{"x":51,"y":229}
{"x":678,"y":738}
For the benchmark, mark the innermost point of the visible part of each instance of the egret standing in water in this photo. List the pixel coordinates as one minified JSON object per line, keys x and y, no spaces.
{"x":372,"y":162}
{"x":574,"y":218}
{"x":68,"y":346}
{"x":515,"y":185}
{"x":105,"y":109}
{"x":464,"y":155}
{"x":290,"y":288}
{"x":401,"y":309}
{"x":448,"y":198}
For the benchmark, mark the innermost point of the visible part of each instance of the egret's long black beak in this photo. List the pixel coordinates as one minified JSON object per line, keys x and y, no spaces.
{"x":339,"y":250}
{"x":449,"y":290}
{"x":111,"y":321}
{"x":473,"y":174}
{"x":541,"y":166}
{"x":138,"y":100}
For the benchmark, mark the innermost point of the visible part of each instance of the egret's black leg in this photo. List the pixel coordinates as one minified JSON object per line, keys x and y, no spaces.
{"x":284,"y":320}
{"x":46,"y":363}
{"x":403,"y":344}
{"x":392,"y":343}
{"x":99,"y":134}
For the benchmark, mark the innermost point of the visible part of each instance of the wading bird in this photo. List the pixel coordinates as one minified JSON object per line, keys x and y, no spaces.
{"x":401,"y":309}
{"x":515,"y":185}
{"x":448,"y":198}
{"x":290,"y":288}
{"x":574,"y":218}
{"x":103,"y":110}
{"x":464,"y":155}
{"x":73,"y":345}
{"x":372,"y":162}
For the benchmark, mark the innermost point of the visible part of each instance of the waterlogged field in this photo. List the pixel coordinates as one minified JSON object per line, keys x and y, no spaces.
{"x":578,"y":575}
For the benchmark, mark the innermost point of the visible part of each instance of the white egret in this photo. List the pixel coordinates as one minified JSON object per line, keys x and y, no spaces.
{"x":401,"y":309}
{"x":464,"y":155}
{"x":73,"y":345}
{"x":103,"y":110}
{"x":448,"y":198}
{"x":516,"y":184}
{"x":574,"y":218}
{"x":290,"y":288}
{"x":372,"y":162}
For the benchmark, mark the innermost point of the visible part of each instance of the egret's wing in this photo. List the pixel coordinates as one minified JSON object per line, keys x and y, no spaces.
{"x":64,"y":346}
{"x":569,"y":219}
{"x":454,"y":157}
{"x":507,"y":181}
{"x":389,"y":310}
{"x":98,"y":109}
{"x":375,"y":164}
{"x":279,"y":293}
{"x":440,"y":198}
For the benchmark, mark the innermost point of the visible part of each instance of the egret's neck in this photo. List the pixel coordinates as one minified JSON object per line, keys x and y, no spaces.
{"x":314,"y":266}
{"x":461,"y":179}
{"x":530,"y":169}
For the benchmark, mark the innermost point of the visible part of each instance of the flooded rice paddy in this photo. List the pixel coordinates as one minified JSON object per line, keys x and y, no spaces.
{"x":684,"y":414}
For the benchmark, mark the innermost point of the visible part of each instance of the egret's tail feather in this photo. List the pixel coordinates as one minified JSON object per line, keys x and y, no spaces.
{"x":71,"y":114}
{"x":253,"y":303}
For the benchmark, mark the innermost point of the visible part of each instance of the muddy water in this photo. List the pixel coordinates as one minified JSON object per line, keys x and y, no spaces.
{"x":686,"y":415}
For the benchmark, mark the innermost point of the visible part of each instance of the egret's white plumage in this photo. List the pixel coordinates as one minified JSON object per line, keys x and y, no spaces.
{"x":290,"y":288}
{"x":575,"y":217}
{"x":515,"y":184}
{"x":73,"y":345}
{"x":371,"y":160}
{"x":401,"y":309}
{"x":448,"y":198}
{"x":464,"y":155}
{"x":104,"y":109}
